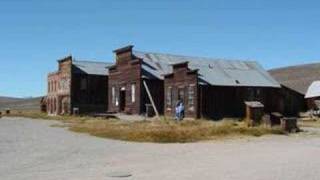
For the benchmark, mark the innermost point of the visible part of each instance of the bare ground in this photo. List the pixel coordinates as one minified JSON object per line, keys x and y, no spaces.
{"x":32,"y":150}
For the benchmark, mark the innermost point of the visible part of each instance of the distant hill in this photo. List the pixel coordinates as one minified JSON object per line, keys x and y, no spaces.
{"x":20,"y":103}
{"x":4,"y":99}
{"x":297,"y":78}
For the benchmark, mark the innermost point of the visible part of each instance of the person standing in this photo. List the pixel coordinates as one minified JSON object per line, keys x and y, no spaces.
{"x":177,"y":110}
{"x":181,"y":110}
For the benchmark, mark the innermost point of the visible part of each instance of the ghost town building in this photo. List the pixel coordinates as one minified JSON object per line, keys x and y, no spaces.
{"x":209,"y":88}
{"x":77,"y":86}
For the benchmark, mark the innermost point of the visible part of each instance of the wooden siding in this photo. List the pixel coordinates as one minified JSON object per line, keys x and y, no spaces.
{"x":156,"y":88}
{"x":218,"y":102}
{"x":126,"y":72}
{"x":89,"y":93}
{"x":290,"y":102}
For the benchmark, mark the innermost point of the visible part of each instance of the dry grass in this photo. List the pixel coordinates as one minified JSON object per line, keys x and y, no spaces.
{"x":169,"y":131}
{"x":161,"y":131}
{"x":310,"y":122}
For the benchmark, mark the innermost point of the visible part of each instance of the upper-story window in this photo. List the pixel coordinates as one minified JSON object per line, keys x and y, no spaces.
{"x":133,"y":92}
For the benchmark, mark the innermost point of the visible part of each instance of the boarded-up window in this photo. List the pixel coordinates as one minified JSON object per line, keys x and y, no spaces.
{"x":254,"y":94}
{"x":191,"y":97}
{"x":169,"y":97}
{"x":133,"y":92}
{"x":250,"y":94}
{"x":83,"y":84}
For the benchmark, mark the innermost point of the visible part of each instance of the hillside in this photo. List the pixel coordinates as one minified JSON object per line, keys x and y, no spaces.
{"x":297,"y":78}
{"x":20,"y":103}
{"x":4,"y":99}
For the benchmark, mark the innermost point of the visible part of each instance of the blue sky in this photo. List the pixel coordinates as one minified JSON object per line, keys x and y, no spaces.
{"x":35,"y":33}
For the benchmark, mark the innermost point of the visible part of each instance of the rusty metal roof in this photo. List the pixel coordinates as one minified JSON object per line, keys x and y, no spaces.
{"x":218,"y":72}
{"x":297,"y":78}
{"x":91,"y":67}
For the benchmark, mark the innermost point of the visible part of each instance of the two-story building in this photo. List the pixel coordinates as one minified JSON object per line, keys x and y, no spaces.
{"x":80,"y":85}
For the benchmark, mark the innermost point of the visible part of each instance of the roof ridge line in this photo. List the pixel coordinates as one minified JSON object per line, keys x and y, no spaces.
{"x":193,"y":56}
{"x":88,"y":61}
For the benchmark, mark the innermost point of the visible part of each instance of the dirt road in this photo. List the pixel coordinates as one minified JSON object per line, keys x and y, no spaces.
{"x":33,"y":150}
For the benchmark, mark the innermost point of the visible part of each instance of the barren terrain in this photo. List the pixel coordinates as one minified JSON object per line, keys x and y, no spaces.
{"x":34,"y":150}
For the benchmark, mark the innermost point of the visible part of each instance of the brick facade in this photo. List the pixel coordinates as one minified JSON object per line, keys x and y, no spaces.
{"x":181,"y":85}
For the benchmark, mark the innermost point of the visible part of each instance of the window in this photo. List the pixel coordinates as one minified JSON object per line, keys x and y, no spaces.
{"x":113,"y":94}
{"x":250,"y":96}
{"x":254,"y":94}
{"x":133,"y":92}
{"x":83,"y":84}
{"x":258,"y":92}
{"x":48,"y":86}
{"x":191,"y":97}
{"x":169,"y":97}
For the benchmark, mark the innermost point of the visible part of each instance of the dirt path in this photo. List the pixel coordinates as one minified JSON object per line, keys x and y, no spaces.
{"x":32,"y":150}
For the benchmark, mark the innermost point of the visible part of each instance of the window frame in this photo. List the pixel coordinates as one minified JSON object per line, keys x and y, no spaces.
{"x":191,"y":96}
{"x":113,"y":95}
{"x":169,"y":97}
{"x":133,"y":92}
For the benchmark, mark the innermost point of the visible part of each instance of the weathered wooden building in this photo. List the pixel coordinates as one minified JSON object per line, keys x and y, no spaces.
{"x":209,"y":88}
{"x":77,"y":85}
{"x":295,"y":81}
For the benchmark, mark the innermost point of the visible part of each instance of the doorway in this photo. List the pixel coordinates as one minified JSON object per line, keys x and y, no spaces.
{"x":122,"y":103}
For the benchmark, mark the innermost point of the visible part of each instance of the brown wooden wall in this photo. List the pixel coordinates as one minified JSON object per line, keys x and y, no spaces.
{"x":156,"y":88}
{"x":89,"y":93}
{"x":218,"y":102}
{"x":290,"y":102}
{"x":127,"y":71}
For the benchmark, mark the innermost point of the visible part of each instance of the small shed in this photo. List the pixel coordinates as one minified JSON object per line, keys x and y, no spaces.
{"x":254,"y":112}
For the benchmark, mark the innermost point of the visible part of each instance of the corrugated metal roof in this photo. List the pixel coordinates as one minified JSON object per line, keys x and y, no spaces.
{"x":216,"y":72}
{"x":297,"y":78}
{"x":90,"y":67}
